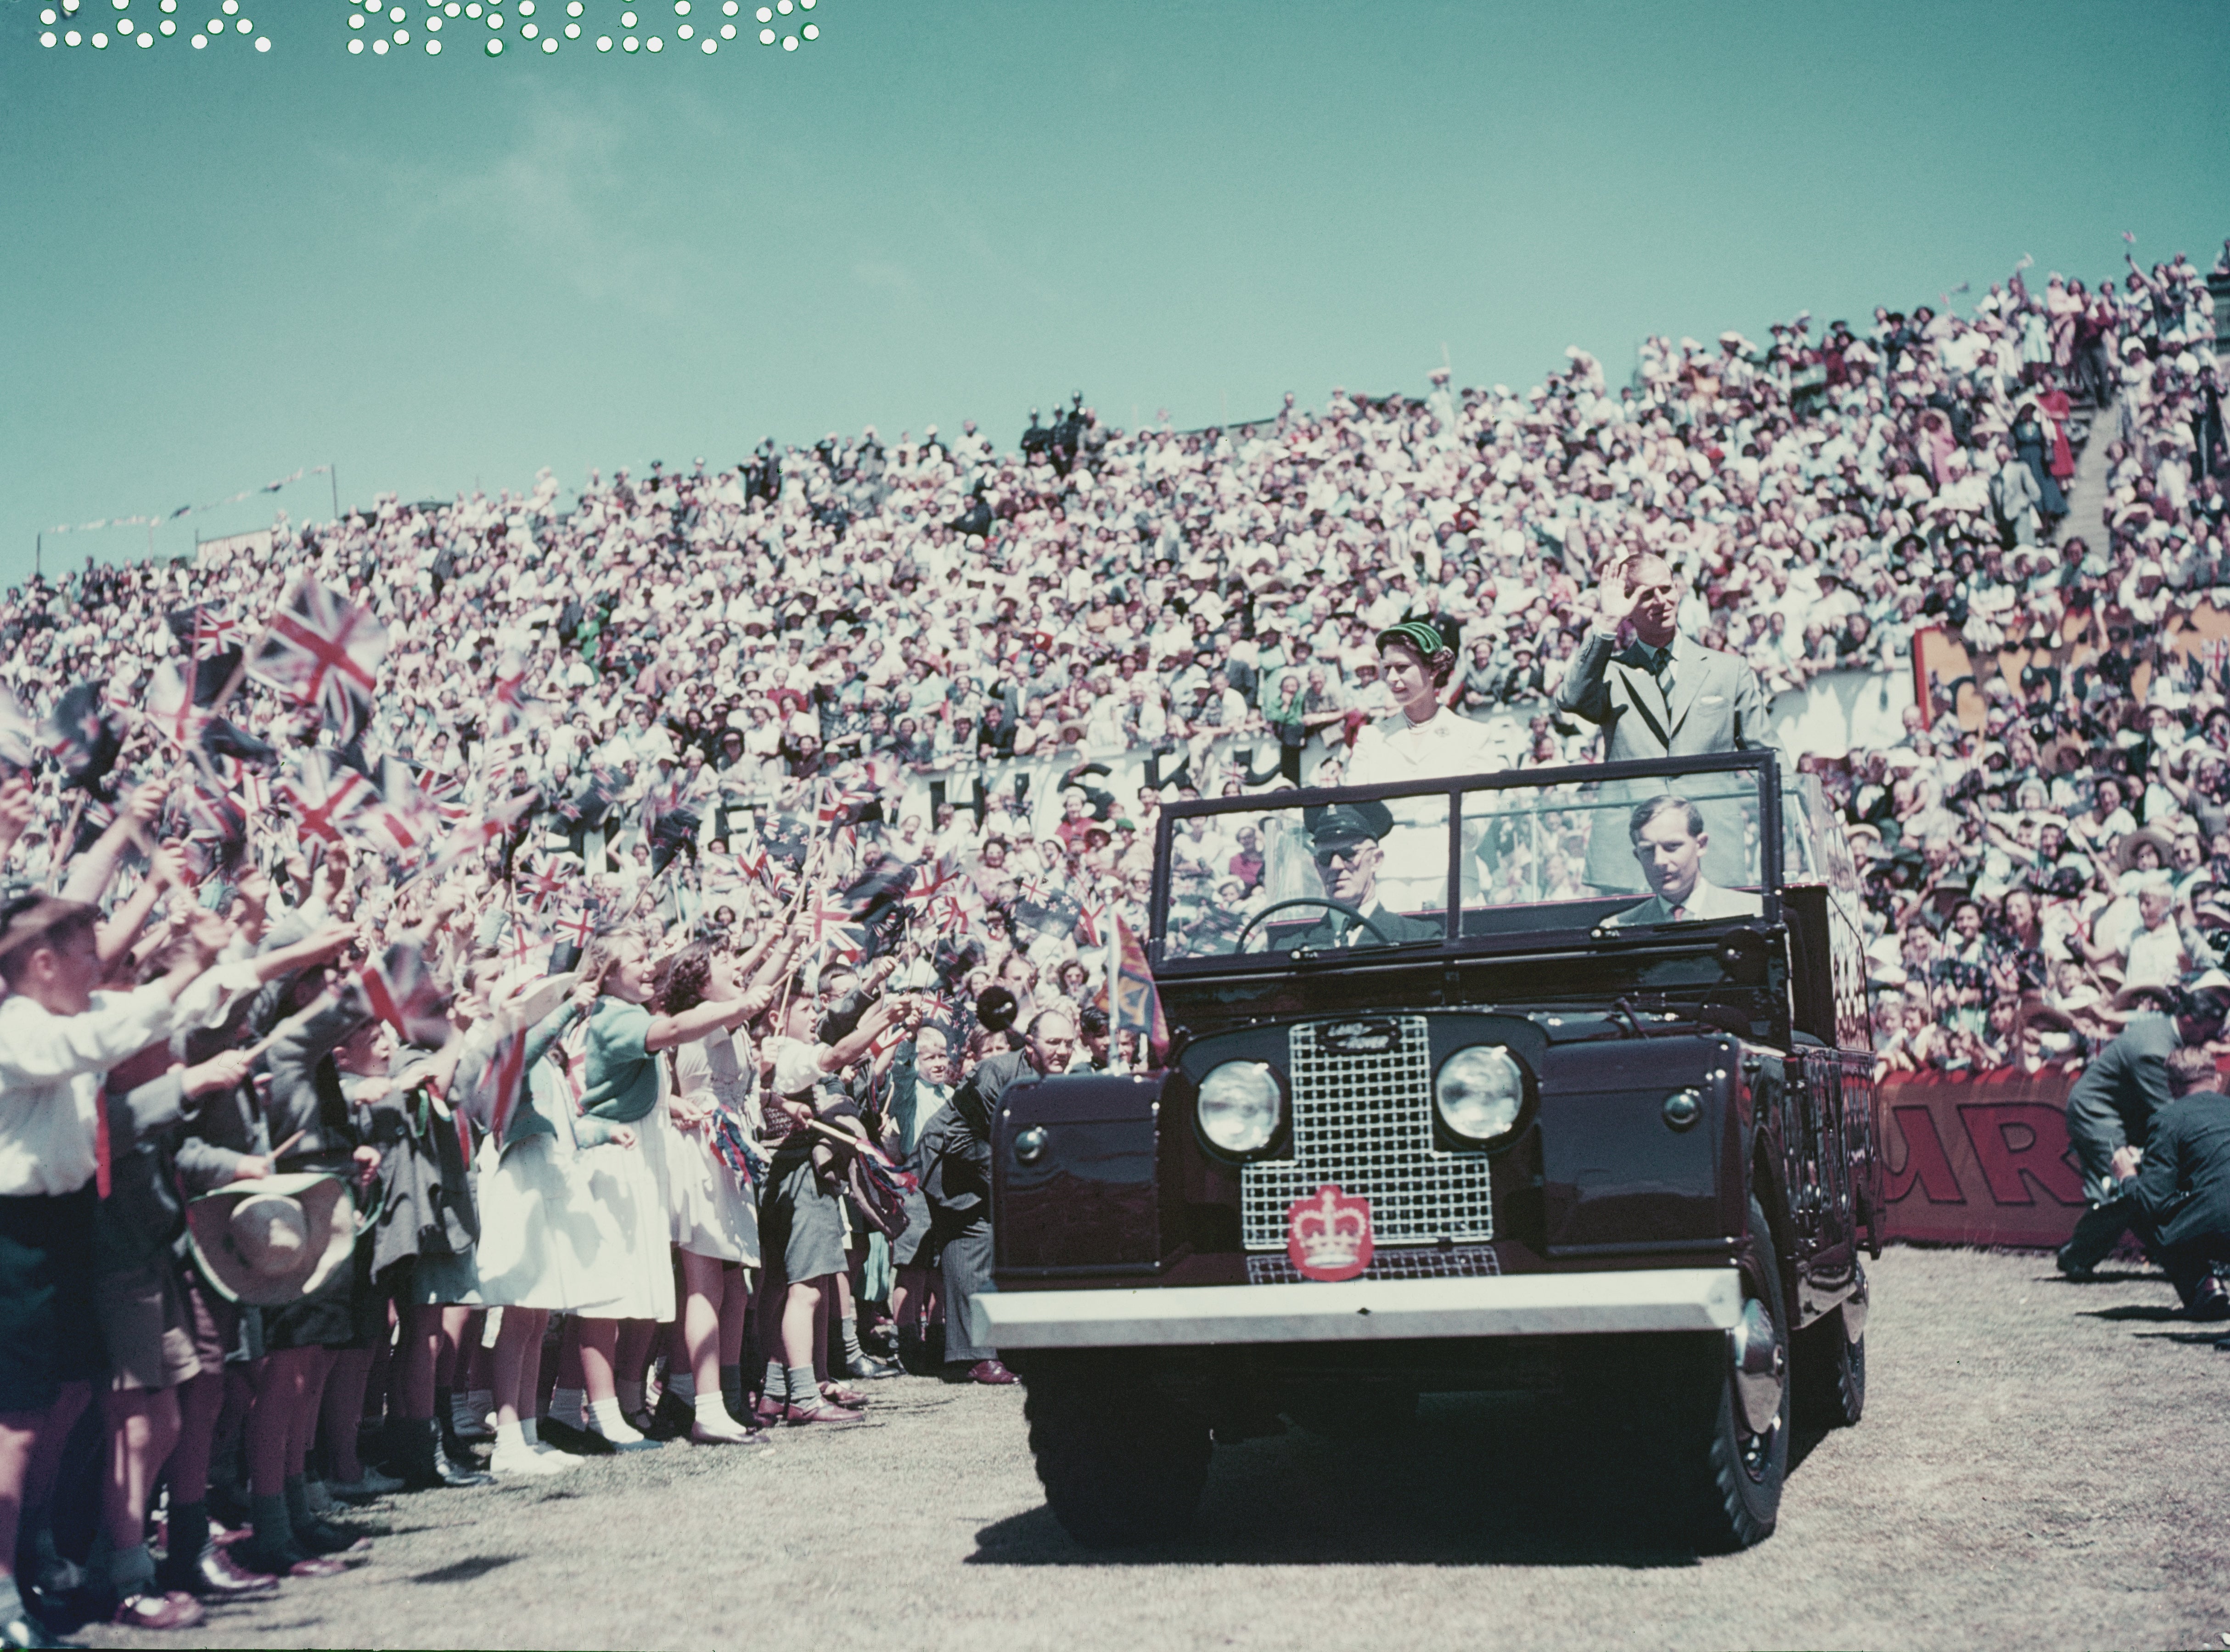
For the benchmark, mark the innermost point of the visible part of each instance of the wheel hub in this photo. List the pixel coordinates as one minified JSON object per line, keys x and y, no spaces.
{"x":1761,"y":1366}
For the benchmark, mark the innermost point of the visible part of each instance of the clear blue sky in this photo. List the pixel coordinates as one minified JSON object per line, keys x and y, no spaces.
{"x":218,"y":267}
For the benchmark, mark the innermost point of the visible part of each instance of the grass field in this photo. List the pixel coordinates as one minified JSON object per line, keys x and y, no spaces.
{"x":2038,"y":1467}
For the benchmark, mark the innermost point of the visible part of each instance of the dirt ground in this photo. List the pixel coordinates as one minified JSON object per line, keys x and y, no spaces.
{"x":2038,"y":1467}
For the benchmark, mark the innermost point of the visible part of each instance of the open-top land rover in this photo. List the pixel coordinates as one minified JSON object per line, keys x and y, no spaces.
{"x":1551,"y":1079}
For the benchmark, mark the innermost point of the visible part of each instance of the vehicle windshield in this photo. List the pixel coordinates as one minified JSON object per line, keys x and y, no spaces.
{"x":1282,"y":875}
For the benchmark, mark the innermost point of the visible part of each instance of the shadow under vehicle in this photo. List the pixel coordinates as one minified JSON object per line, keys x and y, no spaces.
{"x":1513,"y":1113}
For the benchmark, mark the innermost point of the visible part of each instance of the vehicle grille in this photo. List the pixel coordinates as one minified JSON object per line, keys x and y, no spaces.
{"x":1365,"y":1124}
{"x":1412,"y":1262}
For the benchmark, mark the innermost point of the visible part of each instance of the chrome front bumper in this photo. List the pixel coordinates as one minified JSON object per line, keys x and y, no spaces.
{"x":1513,"y":1304}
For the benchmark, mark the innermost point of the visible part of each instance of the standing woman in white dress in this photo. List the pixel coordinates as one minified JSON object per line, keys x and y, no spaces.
{"x":622,"y":1083}
{"x":1424,"y":741}
{"x":714,"y":1216}
{"x":547,"y":1244}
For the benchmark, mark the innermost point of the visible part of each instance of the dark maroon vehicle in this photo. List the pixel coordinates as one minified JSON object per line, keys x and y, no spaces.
{"x":1547,"y":1079}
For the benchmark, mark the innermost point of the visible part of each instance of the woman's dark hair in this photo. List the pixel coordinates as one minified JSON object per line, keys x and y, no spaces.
{"x":688,"y":974}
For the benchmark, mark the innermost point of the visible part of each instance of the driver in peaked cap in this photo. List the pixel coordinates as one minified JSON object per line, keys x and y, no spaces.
{"x":1345,"y":840}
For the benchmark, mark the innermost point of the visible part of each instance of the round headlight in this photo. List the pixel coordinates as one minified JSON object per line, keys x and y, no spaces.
{"x":1239,"y":1105}
{"x":1479,"y":1092}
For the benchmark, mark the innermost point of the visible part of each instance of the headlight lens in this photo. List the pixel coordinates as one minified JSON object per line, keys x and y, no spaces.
{"x":1239,"y":1106}
{"x":1479,"y":1092}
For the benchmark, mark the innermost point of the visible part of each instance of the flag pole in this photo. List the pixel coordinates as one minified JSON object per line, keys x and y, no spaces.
{"x":1115,"y":1061}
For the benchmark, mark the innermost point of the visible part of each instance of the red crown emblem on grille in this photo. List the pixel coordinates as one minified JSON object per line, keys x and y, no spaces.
{"x":1328,"y":1233}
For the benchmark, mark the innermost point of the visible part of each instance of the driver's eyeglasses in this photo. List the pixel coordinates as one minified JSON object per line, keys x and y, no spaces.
{"x":1328,"y":858}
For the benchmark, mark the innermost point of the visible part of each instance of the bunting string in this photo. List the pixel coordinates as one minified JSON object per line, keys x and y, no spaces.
{"x":185,"y":511}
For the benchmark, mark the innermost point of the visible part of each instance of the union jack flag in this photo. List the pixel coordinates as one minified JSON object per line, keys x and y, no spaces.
{"x":325,"y":652}
{"x":877,"y":1167}
{"x":326,"y":795}
{"x":846,"y":797}
{"x":171,"y":708}
{"x":214,"y":643}
{"x":444,"y":792}
{"x":216,"y":815}
{"x":826,"y":915}
{"x":493,"y":826}
{"x":85,"y":736}
{"x":402,"y":822}
{"x":253,"y":787}
{"x":931,"y":880}
{"x":400,"y":990}
{"x":543,"y":879}
{"x":504,"y":1077}
{"x":216,"y":633}
{"x":524,"y":944}
{"x":950,"y":914}
{"x":575,"y":928}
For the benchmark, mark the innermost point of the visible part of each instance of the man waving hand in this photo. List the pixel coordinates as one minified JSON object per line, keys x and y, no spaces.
{"x":1662,"y":694}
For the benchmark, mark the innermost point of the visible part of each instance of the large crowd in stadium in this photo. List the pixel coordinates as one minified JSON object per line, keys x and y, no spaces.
{"x":819,"y":775}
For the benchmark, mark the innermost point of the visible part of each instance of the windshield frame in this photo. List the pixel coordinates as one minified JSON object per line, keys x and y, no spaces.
{"x":1764,"y":760}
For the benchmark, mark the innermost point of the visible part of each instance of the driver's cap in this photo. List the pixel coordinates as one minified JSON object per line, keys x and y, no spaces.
{"x":1352,"y":822}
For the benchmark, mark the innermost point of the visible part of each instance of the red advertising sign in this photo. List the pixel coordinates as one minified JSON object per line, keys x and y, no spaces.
{"x":1981,"y":1160}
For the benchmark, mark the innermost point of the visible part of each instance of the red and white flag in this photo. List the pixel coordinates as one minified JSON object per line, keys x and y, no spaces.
{"x":495,"y":825}
{"x":542,"y":880}
{"x":930,"y":880}
{"x":326,"y":797}
{"x":324,"y":651}
{"x":401,"y":821}
{"x":501,"y":1082}
{"x":401,"y":991}
{"x":524,"y":946}
{"x":216,"y":633}
{"x":169,"y":704}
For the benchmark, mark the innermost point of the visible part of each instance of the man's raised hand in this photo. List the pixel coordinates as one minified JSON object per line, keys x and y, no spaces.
{"x":1612,"y":598}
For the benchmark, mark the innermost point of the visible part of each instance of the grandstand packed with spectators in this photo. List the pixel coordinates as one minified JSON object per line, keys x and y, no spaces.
{"x":725,"y":745}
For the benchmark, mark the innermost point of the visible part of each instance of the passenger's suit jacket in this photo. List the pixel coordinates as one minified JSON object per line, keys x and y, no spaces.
{"x":1706,"y":903}
{"x":1718,"y":704}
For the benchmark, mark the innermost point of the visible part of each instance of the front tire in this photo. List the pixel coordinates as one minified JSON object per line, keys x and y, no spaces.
{"x":1830,"y":1364}
{"x":1364,"y":1412}
{"x":1119,"y":1463}
{"x":1738,"y":1457}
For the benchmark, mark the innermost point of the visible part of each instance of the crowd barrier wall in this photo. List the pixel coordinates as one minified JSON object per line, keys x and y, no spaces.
{"x":1980,"y":1161}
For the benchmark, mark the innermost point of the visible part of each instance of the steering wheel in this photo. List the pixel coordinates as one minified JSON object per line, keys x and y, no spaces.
{"x":1344,"y":911}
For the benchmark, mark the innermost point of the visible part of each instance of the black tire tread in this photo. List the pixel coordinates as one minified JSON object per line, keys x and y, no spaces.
{"x":1830,"y":1374}
{"x":1727,"y":1511}
{"x":1119,"y":1464}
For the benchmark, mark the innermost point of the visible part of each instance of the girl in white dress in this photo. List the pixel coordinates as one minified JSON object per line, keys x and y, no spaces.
{"x":624,"y":1081}
{"x":713,"y":1215}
